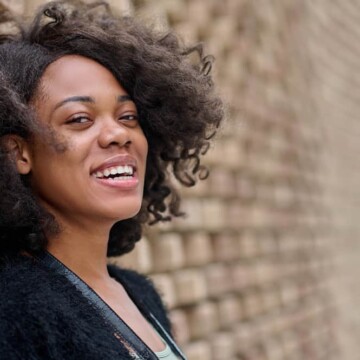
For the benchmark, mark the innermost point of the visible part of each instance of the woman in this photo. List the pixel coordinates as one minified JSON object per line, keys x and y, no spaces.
{"x":96,"y":113}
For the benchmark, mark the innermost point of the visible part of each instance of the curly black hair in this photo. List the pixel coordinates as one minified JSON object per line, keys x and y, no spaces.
{"x":178,"y":109}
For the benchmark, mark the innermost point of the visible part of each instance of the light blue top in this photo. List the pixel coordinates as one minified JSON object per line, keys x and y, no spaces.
{"x":166,"y":354}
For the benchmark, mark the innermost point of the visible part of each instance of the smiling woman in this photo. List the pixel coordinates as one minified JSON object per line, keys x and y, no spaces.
{"x":91,"y":113}
{"x":96,"y":112}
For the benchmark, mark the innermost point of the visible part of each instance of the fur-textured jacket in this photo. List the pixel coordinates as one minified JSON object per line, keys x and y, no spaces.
{"x":43,"y":316}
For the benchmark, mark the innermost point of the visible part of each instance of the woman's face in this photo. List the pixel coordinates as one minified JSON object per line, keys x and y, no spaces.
{"x":92,"y":165}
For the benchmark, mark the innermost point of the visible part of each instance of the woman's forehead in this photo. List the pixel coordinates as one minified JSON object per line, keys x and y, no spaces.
{"x":74,"y":79}
{"x":75,"y":75}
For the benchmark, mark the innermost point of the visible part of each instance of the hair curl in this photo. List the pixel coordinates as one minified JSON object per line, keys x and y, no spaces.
{"x":178,"y":110}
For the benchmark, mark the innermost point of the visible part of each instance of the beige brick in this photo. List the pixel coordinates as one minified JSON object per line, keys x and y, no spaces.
{"x":237,"y":214}
{"x":223,"y":346}
{"x":235,"y":74}
{"x":16,"y":6}
{"x":248,"y":244}
{"x":274,"y":350}
{"x":180,"y":326}
{"x":122,"y":7}
{"x":190,"y":286}
{"x":232,"y":153}
{"x":188,"y":32}
{"x":265,"y":64}
{"x":267,"y":244}
{"x":199,"y":13}
{"x":289,"y":292}
{"x":261,"y":216}
{"x":176,"y":10}
{"x":264,"y":326}
{"x":252,"y":303}
{"x":256,"y":353}
{"x":225,"y":246}
{"x":218,"y":278}
{"x":165,"y":285}
{"x":266,"y":271}
{"x":194,"y":218}
{"x":198,"y":350}
{"x":270,"y":298}
{"x":222,"y":182}
{"x":198,"y":250}
{"x":280,"y":323}
{"x":242,"y":275}
{"x":214,"y":214}
{"x":245,"y":335}
{"x":290,"y":343}
{"x":153,"y":15}
{"x":169,"y":251}
{"x":203,"y":319}
{"x":201,"y":189}
{"x":222,"y":29}
{"x":32,"y":5}
{"x":229,"y":311}
{"x":289,"y":244}
{"x":139,"y":259}
{"x":215,"y":154}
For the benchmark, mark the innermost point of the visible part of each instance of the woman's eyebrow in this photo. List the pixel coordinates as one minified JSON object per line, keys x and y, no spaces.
{"x":123,"y":98}
{"x":86,"y":99}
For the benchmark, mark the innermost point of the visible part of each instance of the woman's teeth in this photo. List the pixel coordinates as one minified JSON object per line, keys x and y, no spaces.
{"x":117,"y":171}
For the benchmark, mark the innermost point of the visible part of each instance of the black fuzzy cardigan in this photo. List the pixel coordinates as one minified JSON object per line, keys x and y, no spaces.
{"x":43,"y":316}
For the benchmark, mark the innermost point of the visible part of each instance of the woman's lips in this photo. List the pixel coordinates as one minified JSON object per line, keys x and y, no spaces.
{"x":117,"y":172}
{"x":121,"y":182}
{"x":115,"y":161}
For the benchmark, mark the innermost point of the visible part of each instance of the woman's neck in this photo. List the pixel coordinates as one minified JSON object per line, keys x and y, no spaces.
{"x":82,"y":251}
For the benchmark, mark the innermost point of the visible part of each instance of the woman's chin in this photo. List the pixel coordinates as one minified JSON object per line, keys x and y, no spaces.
{"x":129,"y":212}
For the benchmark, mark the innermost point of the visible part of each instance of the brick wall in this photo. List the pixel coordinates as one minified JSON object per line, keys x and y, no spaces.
{"x":263,"y":266}
{"x":247,"y":274}
{"x":333,"y":33}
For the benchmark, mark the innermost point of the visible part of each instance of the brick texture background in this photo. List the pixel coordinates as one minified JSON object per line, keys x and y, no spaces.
{"x":264,"y":267}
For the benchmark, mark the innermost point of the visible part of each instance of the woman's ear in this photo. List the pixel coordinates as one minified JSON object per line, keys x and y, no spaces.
{"x":19,"y":150}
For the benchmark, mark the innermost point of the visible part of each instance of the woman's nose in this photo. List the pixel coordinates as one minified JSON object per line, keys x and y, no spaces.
{"x":113,"y":133}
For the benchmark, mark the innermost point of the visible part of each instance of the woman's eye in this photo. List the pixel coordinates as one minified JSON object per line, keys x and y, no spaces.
{"x":131,"y":120}
{"x":130,"y":117}
{"x":78,"y":120}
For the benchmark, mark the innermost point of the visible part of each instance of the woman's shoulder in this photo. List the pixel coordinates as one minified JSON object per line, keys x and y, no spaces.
{"x":31,"y":289}
{"x":42,"y":317}
{"x":21,"y":283}
{"x":19,"y":272}
{"x":24,"y":300}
